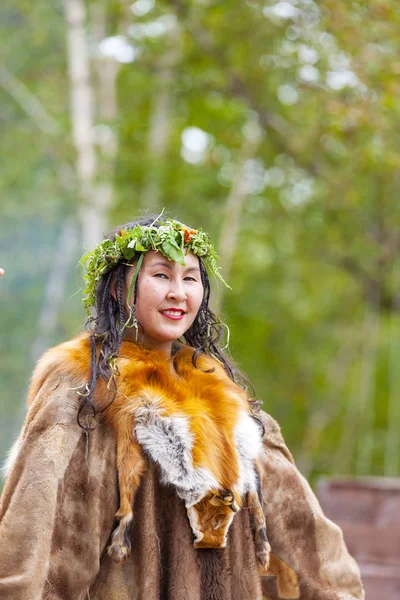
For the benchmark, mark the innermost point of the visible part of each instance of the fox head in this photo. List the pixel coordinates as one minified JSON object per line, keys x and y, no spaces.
{"x":211,"y":516}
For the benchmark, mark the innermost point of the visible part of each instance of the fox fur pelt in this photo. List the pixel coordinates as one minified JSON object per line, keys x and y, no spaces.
{"x":194,"y":422}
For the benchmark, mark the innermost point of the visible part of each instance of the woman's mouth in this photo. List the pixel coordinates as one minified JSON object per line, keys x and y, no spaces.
{"x":172,"y":313}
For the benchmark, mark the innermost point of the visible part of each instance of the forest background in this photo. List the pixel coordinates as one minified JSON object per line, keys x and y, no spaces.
{"x":275,"y":127}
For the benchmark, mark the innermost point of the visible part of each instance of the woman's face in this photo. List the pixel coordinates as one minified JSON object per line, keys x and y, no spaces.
{"x":168,"y":299}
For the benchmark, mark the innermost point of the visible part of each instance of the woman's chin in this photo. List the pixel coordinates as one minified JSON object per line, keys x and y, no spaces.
{"x":169,"y":332}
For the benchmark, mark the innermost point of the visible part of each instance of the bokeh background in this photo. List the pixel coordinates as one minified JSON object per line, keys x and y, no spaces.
{"x":275,"y":127}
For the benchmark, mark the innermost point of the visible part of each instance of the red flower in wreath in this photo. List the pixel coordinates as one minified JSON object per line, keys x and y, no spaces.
{"x":188,"y":234}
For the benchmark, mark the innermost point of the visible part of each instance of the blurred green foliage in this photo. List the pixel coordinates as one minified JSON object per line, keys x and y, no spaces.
{"x":314,"y":311}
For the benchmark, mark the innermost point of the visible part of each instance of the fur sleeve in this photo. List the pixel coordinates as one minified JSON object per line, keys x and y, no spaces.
{"x":58,"y":503}
{"x":299,"y":532}
{"x":69,"y":359}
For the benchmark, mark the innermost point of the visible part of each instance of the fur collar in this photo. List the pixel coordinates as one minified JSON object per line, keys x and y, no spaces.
{"x":201,"y":406}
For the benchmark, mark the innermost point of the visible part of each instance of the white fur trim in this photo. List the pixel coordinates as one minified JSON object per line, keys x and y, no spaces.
{"x":193,"y":516}
{"x":227,"y":529}
{"x":248,"y":440}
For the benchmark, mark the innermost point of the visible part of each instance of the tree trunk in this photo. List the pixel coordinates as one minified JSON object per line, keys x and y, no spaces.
{"x":160,"y":123}
{"x":92,"y":213}
{"x":55,"y":287}
{"x":235,"y":203}
{"x":57,"y":278}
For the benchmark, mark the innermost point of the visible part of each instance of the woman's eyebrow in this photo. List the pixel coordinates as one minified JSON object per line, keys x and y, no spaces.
{"x":163,"y":263}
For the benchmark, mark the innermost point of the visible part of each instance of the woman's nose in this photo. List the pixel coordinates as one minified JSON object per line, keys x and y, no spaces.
{"x":176,"y":291}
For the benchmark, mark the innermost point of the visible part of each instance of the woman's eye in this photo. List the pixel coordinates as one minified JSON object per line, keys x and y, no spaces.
{"x":162,"y":275}
{"x":190,"y":279}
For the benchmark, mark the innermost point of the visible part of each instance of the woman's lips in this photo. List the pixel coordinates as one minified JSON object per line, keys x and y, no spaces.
{"x":172,"y":314}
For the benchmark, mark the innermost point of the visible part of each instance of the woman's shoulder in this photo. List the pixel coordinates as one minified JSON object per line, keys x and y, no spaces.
{"x":272,"y":435}
{"x":70,"y":359}
{"x":52,"y":397}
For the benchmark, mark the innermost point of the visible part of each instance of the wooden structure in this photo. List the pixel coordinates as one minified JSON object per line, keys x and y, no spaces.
{"x":368,"y":511}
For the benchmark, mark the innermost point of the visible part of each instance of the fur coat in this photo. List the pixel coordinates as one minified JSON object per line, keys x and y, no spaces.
{"x":61,"y":495}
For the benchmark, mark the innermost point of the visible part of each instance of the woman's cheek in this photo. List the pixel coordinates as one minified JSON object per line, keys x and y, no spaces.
{"x":196,"y":301}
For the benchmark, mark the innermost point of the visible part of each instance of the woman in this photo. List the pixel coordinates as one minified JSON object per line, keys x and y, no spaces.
{"x":145,"y":411}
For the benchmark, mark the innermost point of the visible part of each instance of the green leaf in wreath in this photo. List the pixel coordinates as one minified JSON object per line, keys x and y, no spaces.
{"x":129,"y":253}
{"x":173,"y":252}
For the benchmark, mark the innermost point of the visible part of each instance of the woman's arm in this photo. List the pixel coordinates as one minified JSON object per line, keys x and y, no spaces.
{"x":299,"y":532}
{"x":58,"y":503}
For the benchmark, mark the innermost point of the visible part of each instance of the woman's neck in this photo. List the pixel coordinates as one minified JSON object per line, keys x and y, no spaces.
{"x":161,"y":346}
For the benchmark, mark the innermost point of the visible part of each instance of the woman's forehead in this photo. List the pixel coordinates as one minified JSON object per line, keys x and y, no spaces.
{"x":153,"y":258}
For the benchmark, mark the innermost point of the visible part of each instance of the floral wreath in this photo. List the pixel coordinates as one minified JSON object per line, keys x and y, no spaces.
{"x":170,"y":238}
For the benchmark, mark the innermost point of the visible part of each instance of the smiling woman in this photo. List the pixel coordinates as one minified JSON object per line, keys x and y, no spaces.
{"x":168,"y":299}
{"x":144,"y":470}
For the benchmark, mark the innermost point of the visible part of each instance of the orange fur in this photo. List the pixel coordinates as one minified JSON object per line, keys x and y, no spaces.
{"x":211,"y":403}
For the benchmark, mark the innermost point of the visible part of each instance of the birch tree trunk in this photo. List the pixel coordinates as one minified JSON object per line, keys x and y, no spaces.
{"x":92,"y":212}
{"x":236,"y":202}
{"x":107,"y":70}
{"x":55,"y":287}
{"x":59,"y":268}
{"x":160,"y":123}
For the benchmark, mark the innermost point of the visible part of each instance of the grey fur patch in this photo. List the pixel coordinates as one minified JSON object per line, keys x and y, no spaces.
{"x":169,"y":442}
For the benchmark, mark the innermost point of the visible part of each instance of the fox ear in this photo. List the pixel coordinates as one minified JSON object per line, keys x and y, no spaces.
{"x":229,"y":499}
{"x":225,"y":497}
{"x":216,"y":499}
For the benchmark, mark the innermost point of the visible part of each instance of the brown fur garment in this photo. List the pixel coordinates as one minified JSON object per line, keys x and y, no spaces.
{"x":61,"y":494}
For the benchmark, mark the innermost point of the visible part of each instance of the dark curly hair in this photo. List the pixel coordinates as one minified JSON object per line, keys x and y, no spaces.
{"x":108,"y":325}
